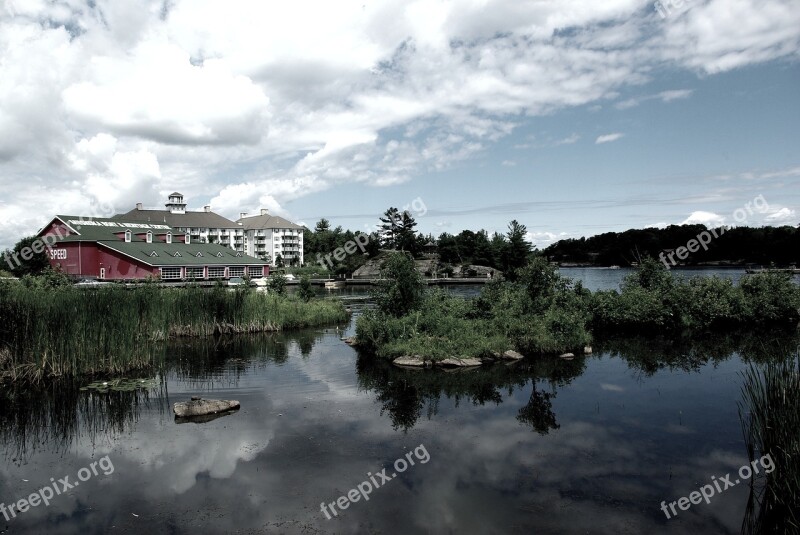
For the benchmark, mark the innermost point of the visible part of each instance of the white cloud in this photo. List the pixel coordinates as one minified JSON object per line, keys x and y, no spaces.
{"x":263,"y":103}
{"x":544,"y":239}
{"x":782,"y":215}
{"x":709,"y":219}
{"x":608,"y":138}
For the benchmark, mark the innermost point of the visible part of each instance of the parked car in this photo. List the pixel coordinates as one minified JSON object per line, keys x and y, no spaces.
{"x":235,"y":281}
{"x":91,"y":283}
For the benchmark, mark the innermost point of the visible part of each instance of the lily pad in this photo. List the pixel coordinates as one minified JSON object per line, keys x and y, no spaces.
{"x":120,"y":385}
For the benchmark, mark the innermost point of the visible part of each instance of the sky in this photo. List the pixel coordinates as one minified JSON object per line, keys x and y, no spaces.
{"x":574,"y":117}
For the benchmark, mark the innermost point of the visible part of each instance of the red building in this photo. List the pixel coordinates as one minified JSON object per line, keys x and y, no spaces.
{"x":115,"y":249}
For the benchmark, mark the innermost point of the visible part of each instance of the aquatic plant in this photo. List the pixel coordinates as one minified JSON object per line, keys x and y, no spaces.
{"x":770,"y":415}
{"x":113,"y":329}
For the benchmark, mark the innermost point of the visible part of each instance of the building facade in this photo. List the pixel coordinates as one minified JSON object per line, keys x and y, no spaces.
{"x":263,"y":236}
{"x":113,"y":249}
{"x":272,"y":238}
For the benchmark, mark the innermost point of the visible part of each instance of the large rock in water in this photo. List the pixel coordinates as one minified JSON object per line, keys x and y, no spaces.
{"x":202,"y":407}
{"x":459,"y":362}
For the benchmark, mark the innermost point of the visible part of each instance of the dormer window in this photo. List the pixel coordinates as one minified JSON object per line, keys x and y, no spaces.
{"x":199,"y":254}
{"x":152,"y":254}
{"x":127,"y":236}
{"x":187,"y":239}
{"x":149,"y":237}
{"x":177,"y":254}
{"x":169,"y":237}
{"x":219,"y":254}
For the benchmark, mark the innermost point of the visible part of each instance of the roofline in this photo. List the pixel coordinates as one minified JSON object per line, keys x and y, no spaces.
{"x":158,"y":266}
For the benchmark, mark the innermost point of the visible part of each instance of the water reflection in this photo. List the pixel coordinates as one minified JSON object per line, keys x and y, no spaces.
{"x":547,"y":445}
{"x":405,"y":394}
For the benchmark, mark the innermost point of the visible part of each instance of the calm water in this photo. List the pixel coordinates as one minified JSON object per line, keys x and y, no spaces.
{"x":591,"y":445}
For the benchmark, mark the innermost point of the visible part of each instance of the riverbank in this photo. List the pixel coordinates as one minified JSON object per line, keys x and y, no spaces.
{"x":69,"y":331}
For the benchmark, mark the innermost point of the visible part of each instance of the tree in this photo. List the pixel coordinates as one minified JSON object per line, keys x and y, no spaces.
{"x":23,"y":260}
{"x":278,"y":260}
{"x":323,"y":225}
{"x":516,"y":250}
{"x":277,"y":283}
{"x":406,"y":237}
{"x":391,"y":222}
{"x":305,"y":291}
{"x":403,"y":290}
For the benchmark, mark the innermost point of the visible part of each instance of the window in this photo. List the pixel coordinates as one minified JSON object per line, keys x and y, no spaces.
{"x":236,"y":271}
{"x":177,"y":254}
{"x":170,"y":273}
{"x":194,"y":273}
{"x":153,"y":253}
{"x":169,"y":237}
{"x":127,"y":236}
{"x":216,"y":272}
{"x":199,"y":254}
{"x":238,"y":254}
{"x":219,"y":254}
{"x":187,"y":239}
{"x":149,"y":237}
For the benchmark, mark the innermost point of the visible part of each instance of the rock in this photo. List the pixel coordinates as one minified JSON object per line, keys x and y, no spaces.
{"x":587,"y":350}
{"x":512,"y":355}
{"x":414,"y":362}
{"x":567,"y":356}
{"x":202,"y":407}
{"x":351,"y":341}
{"x":196,"y":398}
{"x":459,"y":362}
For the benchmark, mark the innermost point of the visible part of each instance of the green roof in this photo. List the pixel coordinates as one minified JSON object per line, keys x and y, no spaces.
{"x":103,"y":231}
{"x":201,"y":254}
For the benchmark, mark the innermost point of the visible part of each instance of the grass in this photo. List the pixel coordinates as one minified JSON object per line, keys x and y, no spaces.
{"x":69,"y":331}
{"x":770,"y":414}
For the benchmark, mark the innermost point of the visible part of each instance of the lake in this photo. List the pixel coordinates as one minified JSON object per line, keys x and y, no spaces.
{"x":545,"y":445}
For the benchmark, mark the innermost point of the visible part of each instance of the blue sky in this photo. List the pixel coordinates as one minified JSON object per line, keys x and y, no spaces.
{"x":573,"y":117}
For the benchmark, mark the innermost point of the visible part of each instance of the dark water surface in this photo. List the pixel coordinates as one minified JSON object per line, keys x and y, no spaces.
{"x":545,"y":445}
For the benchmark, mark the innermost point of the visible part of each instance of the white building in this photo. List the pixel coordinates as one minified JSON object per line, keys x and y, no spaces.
{"x":263,"y":236}
{"x":270,"y":237}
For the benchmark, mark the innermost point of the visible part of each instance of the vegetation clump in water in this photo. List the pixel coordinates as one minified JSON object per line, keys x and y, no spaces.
{"x":539,"y":311}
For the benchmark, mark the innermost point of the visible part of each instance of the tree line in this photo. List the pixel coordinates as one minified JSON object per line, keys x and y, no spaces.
{"x":396,"y":231}
{"x":736,"y":245}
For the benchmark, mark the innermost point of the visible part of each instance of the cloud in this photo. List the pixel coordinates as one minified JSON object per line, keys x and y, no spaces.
{"x":608,"y":138}
{"x":664,"y":96}
{"x":373,"y":94}
{"x":709,"y":219}
{"x":782,"y":215}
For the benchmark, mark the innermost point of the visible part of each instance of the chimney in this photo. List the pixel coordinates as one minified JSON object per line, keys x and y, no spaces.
{"x":138,"y":206}
{"x":242,"y":215}
{"x":207,"y":208}
{"x":264,"y":211}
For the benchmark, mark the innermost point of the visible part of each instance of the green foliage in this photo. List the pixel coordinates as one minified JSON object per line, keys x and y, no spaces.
{"x":48,"y":331}
{"x":277,"y":283}
{"x":305,"y":291}
{"x":403,"y":289}
{"x":35,"y":264}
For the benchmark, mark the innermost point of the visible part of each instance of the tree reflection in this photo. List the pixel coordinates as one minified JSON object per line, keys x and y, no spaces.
{"x":404,"y":394}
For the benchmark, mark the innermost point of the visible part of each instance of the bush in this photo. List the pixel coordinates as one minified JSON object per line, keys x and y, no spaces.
{"x":305,"y":291}
{"x":403,"y":290}
{"x":277,"y":283}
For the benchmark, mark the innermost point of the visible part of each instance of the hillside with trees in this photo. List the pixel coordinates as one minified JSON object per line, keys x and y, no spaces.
{"x":732,"y":246}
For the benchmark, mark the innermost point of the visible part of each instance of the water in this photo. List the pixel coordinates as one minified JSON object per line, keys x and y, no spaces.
{"x":545,"y":445}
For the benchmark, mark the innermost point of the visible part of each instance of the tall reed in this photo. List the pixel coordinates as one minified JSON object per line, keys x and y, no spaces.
{"x":770,"y":414}
{"x":70,"y":331}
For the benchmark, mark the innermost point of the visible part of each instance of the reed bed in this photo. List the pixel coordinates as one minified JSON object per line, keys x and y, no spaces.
{"x":770,"y":414}
{"x":69,"y":331}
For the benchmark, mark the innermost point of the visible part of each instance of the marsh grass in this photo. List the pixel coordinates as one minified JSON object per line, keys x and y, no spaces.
{"x":113,"y":330}
{"x":770,"y":415}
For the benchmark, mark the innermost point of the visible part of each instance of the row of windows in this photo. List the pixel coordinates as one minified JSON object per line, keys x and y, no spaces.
{"x":149,"y":237}
{"x":172,"y":273}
